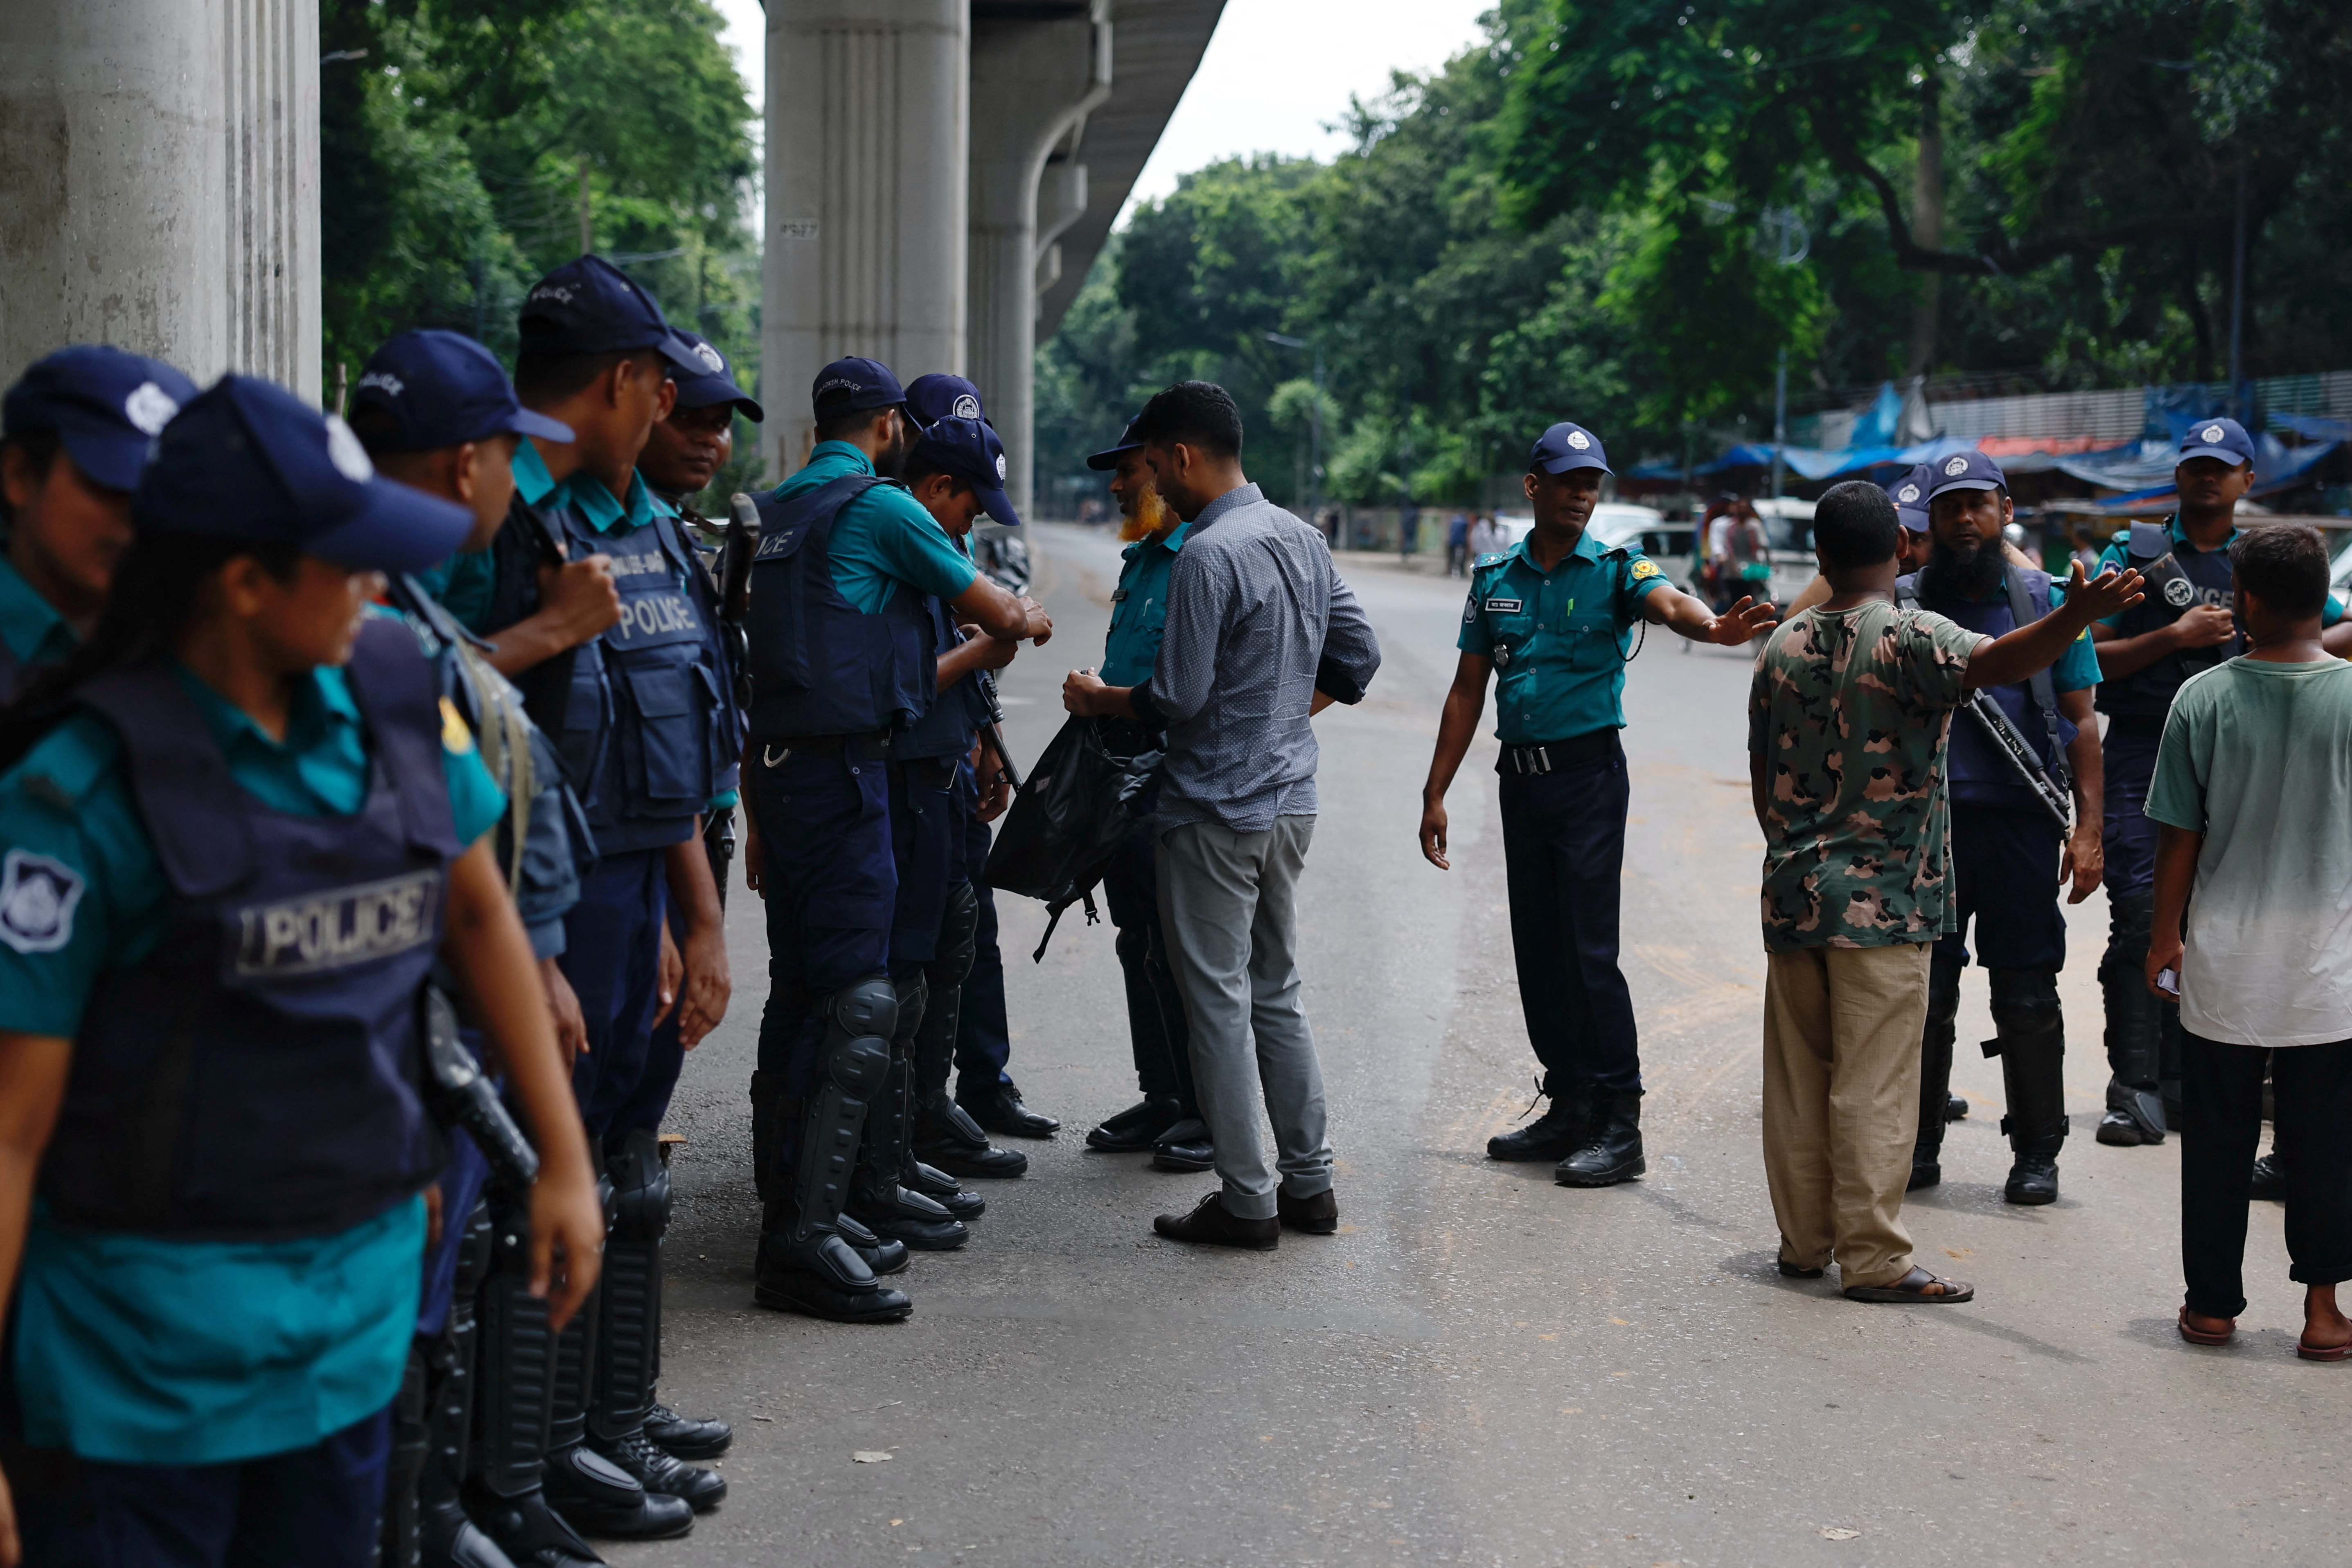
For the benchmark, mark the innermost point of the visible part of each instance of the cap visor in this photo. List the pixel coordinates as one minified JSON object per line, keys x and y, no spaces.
{"x":2223,"y":453}
{"x":523,"y":422}
{"x":396,"y":530}
{"x":1912,"y":519}
{"x":1971,"y":483}
{"x":711,"y":391}
{"x":1574,"y":461}
{"x":680,"y":353}
{"x":1106,"y":459}
{"x":998,"y":505}
{"x":106,"y":455}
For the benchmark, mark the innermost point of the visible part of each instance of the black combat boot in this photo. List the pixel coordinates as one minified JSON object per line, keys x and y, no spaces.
{"x":2135,"y":1113}
{"x":1612,"y":1150}
{"x":1137,"y":1128}
{"x":629,"y":1324}
{"x":877,"y":1199}
{"x":1554,"y":1135}
{"x":945,"y":1135}
{"x":2032,"y":1045}
{"x":1936,"y":1071}
{"x":397,"y":1538}
{"x":942,"y":1189}
{"x":446,"y":1537}
{"x":805,"y":1262}
{"x":880,"y":1255}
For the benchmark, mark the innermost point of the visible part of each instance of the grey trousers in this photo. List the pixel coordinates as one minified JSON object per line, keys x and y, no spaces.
{"x":1228,"y":904}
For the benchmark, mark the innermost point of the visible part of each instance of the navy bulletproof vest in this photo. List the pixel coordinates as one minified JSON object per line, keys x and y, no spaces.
{"x":1979,"y":775}
{"x":819,"y":667}
{"x":2176,"y":584}
{"x":957,"y":713}
{"x":565,"y":695}
{"x":256,"y":1076}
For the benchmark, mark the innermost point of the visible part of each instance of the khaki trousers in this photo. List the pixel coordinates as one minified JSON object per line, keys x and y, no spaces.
{"x":1842,"y":1028}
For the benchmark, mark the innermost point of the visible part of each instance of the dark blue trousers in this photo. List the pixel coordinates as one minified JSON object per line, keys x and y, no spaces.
{"x":314,"y":1508}
{"x":1564,"y":850}
{"x":2005,"y":874}
{"x":462,"y":1181}
{"x":1156,"y":1025}
{"x":983,"y":1037}
{"x":928,"y":814}
{"x":2129,"y":836}
{"x":612,"y":956}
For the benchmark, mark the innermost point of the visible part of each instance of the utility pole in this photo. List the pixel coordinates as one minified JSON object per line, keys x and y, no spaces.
{"x":1780,"y":417}
{"x":2238,"y":304}
{"x":1314,"y":421}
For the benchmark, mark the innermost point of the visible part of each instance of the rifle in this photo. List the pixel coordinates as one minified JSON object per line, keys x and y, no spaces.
{"x":735,"y":553}
{"x":2007,"y":738}
{"x":461,"y":1097}
{"x":993,"y":732}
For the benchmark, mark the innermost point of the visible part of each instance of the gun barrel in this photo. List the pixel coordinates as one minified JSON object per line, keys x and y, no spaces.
{"x":2013,"y":746}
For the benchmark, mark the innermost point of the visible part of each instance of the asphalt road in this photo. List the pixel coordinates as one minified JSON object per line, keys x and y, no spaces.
{"x":1483,"y":1367}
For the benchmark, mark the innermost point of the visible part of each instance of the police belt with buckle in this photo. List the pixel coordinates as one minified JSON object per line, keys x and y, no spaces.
{"x":873,"y":748}
{"x":1551,"y":756}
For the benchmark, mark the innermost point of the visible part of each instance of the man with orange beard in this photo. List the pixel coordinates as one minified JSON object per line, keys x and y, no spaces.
{"x":1168,"y":1119}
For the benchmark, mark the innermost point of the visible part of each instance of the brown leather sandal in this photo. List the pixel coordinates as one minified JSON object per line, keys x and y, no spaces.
{"x":2197,"y":1336}
{"x":1917,"y":1286}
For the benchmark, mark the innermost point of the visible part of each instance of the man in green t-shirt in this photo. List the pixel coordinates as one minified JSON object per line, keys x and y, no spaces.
{"x":1848,"y":720}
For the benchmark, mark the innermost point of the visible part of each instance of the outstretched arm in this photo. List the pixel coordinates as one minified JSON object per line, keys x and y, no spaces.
{"x":1671,"y":607}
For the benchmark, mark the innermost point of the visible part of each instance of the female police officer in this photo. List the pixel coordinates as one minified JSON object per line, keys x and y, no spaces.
{"x":230,"y":866}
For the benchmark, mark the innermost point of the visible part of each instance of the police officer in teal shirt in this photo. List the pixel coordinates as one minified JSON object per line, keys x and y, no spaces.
{"x":74,"y":433}
{"x":1167,"y":1120}
{"x":1552,"y":619}
{"x":241,"y":825}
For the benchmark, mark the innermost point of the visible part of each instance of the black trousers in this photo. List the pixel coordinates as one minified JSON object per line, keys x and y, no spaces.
{"x":2221,"y":1125}
{"x":1564,"y":852}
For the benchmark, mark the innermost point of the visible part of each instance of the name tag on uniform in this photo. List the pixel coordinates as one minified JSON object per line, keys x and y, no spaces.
{"x":1504,"y":606}
{"x":340,"y":929}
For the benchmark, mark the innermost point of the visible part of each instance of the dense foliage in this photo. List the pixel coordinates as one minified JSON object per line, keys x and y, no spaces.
{"x":1625,"y":211}
{"x":457,"y":154}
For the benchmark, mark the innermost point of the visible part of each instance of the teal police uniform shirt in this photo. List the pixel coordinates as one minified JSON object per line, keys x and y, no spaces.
{"x":29,"y":624}
{"x":2117,"y":556}
{"x":136,"y":1350}
{"x":883,"y":538}
{"x":1138,"y":608}
{"x":1558,"y":638}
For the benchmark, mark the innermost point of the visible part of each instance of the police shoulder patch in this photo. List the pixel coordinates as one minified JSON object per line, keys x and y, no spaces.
{"x":456,"y":735}
{"x":1644,"y":569}
{"x":37,"y":896}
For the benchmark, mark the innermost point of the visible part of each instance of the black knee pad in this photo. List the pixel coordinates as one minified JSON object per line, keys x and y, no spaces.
{"x":958,"y":940}
{"x":861,"y":1008}
{"x":641,"y":1194}
{"x":2027,"y":990}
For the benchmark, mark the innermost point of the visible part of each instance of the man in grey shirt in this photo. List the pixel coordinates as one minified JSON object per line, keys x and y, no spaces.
{"x":1261,"y":634}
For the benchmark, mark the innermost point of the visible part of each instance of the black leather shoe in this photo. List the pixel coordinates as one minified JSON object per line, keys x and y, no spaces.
{"x":1185,"y":1147}
{"x":1137,"y":1127}
{"x":1612,"y":1150}
{"x":945,"y":1191}
{"x":687,"y":1438}
{"x":1554,"y":1135}
{"x":1317,"y":1216}
{"x":529,"y":1533}
{"x":1955,"y":1107}
{"x":881,"y":1257}
{"x":445,"y":1538}
{"x":946,"y":1136}
{"x":897,"y":1214}
{"x":659,"y":1473}
{"x":601,"y":1499}
{"x":824,"y":1278}
{"x":1791,"y":1271}
{"x":1211,"y":1224}
{"x":2032,"y":1179}
{"x":1925,"y":1173}
{"x":2270,"y":1179}
{"x":2134,"y":1116}
{"x":998,"y":1108}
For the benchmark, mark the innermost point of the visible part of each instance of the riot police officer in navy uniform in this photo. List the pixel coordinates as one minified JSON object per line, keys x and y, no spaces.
{"x":644,"y":716}
{"x":843,"y":661}
{"x":2183,"y":626}
{"x":1552,"y":619}
{"x":2010,"y":853}
{"x":74,"y":433}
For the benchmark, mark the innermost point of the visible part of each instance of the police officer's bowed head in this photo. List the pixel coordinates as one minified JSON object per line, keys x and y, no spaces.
{"x":256,"y":828}
{"x":1551,"y":619}
{"x":2010,"y":854}
{"x":690,"y":444}
{"x":74,"y":430}
{"x":843,"y":659}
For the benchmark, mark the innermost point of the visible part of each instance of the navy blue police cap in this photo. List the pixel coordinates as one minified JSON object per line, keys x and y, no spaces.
{"x":1566,"y":446}
{"x":715,"y":382}
{"x":247,"y":461}
{"x":2223,"y":438}
{"x":854,"y":386}
{"x":934,"y":397}
{"x":106,"y":406}
{"x":442,"y":389}
{"x":1909,"y":494}
{"x":969,"y":449}
{"x":1969,"y":471}
{"x":1108,"y":459}
{"x":592,"y":307}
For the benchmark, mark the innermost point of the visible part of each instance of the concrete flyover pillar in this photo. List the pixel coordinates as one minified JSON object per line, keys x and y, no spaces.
{"x":1033,"y":84}
{"x":868,"y":125}
{"x":159,"y":183}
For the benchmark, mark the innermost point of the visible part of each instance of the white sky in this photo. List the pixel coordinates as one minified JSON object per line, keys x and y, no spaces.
{"x":1252,"y":94}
